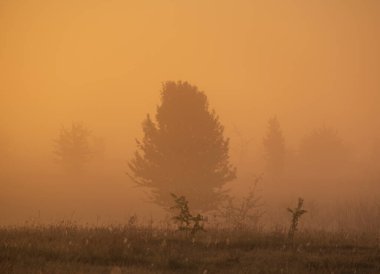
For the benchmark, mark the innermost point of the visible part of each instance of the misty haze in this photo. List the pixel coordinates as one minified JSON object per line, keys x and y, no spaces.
{"x":190,"y":136}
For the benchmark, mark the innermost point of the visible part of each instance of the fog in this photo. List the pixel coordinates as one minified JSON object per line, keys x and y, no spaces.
{"x":312,"y":64}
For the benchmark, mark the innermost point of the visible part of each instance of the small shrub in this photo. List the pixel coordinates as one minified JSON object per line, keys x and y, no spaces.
{"x":185,"y":220}
{"x":297,"y":212}
{"x":245,"y":212}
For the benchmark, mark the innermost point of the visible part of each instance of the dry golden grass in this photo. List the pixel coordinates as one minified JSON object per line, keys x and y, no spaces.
{"x":67,"y":248}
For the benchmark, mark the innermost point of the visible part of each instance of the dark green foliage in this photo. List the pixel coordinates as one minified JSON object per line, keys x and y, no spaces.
{"x":296,"y":214}
{"x":185,"y":220}
{"x":183,"y":150}
{"x":72,"y":148}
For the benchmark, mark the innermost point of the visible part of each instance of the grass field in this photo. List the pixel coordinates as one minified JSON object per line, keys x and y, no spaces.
{"x":142,"y":249}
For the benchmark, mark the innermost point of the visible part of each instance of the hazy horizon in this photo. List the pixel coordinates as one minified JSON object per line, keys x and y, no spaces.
{"x":311,"y":64}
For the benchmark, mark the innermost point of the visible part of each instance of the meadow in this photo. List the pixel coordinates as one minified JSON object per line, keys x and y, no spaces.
{"x":70,"y":248}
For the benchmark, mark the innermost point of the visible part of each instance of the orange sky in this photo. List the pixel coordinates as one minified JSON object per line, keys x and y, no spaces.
{"x":95,"y":60}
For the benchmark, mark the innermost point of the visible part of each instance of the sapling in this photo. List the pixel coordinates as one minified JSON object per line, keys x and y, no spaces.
{"x":186,"y":221}
{"x":297,"y":212}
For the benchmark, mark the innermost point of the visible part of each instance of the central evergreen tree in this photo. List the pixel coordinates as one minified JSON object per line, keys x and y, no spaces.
{"x":183,"y":151}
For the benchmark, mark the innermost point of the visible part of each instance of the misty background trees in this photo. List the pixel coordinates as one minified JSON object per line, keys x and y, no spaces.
{"x":72,"y":148}
{"x":323,"y":154}
{"x":274,"y":148}
{"x":4,"y":147}
{"x":184,"y":150}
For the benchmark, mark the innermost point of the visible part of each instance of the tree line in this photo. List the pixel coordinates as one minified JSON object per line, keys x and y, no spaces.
{"x":184,"y":151}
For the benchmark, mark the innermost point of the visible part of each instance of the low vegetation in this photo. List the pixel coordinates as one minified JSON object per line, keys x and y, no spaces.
{"x":69,"y":248}
{"x":296,"y":215}
{"x":189,"y":243}
{"x":186,"y":221}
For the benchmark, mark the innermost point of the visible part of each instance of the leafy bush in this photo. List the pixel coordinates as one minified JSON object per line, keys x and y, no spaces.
{"x":185,"y":220}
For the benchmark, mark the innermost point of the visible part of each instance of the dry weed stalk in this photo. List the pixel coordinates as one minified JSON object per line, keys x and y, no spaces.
{"x":297,"y":212}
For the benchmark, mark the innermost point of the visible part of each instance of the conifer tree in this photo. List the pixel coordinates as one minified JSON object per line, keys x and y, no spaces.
{"x":183,"y":150}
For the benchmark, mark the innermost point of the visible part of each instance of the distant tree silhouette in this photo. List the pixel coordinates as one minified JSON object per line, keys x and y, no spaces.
{"x":3,"y":144}
{"x":323,"y":151}
{"x":184,"y":151}
{"x":375,"y":150}
{"x":375,"y":157}
{"x":4,"y":151}
{"x":274,"y":146}
{"x":244,"y":144}
{"x":72,"y":148}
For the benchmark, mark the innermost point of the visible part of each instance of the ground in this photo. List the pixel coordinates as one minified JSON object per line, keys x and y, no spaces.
{"x":134,"y":249}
